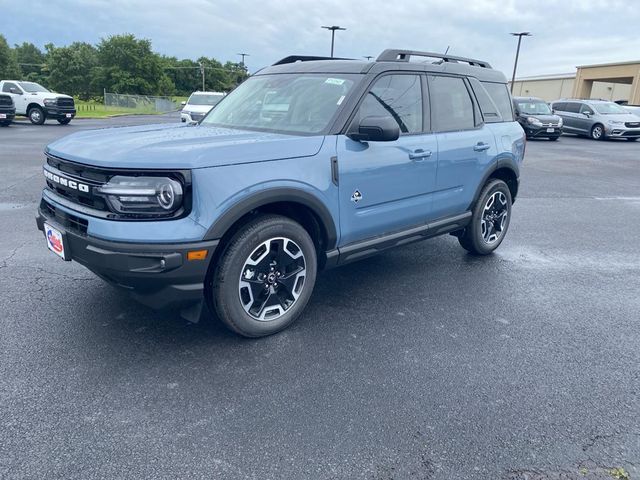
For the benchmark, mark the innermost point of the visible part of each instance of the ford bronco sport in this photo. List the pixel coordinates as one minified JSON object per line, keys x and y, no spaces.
{"x":309,"y":164}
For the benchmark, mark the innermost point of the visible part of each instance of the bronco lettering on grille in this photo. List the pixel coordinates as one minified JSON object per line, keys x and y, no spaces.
{"x":66,"y":182}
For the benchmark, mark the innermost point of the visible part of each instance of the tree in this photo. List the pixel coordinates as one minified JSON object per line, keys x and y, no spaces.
{"x":71,"y":69}
{"x":128,"y":65}
{"x":30,"y":62}
{"x":8,"y":64}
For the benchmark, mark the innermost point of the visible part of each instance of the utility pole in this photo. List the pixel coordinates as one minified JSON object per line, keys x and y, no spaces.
{"x":202,"y":72}
{"x":333,"y":34}
{"x":368,"y":57}
{"x":515,"y":65}
{"x":242,"y":55}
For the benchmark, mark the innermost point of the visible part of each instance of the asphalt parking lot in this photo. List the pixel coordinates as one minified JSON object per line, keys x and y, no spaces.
{"x":422,"y":363}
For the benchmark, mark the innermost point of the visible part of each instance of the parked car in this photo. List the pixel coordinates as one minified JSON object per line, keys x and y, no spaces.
{"x":536,"y":118}
{"x":635,"y":109}
{"x":242,"y":210}
{"x":7,"y":110}
{"x":199,"y":104}
{"x":37,"y":103}
{"x":598,"y":119}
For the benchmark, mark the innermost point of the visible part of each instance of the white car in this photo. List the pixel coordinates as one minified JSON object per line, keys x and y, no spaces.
{"x":635,"y":109}
{"x":198,"y":105}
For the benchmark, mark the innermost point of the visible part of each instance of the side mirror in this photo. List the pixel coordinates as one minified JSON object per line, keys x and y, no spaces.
{"x":376,"y":129}
{"x":587,"y":114}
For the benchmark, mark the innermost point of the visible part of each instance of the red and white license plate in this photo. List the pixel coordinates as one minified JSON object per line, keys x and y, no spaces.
{"x":55,"y":241}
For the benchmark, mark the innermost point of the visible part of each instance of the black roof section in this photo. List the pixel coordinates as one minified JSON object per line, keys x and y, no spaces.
{"x":389,"y":60}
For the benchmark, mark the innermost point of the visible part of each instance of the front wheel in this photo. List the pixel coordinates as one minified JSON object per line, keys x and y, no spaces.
{"x":36,"y":115}
{"x":265,"y":277}
{"x":490,"y":219}
{"x":597,"y":132}
{"x":5,"y":123}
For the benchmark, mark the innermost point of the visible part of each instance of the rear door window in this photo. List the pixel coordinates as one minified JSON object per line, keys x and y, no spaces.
{"x":451,"y":105}
{"x":560,"y":106}
{"x":572,"y":107}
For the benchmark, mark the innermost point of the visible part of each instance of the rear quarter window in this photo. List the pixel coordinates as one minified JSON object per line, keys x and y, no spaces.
{"x":490,"y":111}
{"x":502,"y":98}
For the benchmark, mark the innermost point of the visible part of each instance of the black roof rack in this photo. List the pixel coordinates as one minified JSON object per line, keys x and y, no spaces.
{"x":304,"y":58}
{"x":393,"y":55}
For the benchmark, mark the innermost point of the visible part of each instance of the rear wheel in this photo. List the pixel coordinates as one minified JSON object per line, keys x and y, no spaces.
{"x":265,"y":277}
{"x":64,"y":121}
{"x":490,"y":219}
{"x":36,"y":115}
{"x":597,"y":132}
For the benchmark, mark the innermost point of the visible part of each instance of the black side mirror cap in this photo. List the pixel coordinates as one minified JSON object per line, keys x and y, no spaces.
{"x":376,"y":129}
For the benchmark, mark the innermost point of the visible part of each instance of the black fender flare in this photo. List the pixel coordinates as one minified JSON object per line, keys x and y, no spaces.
{"x":275,"y":195}
{"x":502,"y":163}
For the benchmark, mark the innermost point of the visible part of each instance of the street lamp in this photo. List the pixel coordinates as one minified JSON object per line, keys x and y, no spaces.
{"x":368,"y":57}
{"x":242,"y":55}
{"x":515,"y":65}
{"x":333,"y":34}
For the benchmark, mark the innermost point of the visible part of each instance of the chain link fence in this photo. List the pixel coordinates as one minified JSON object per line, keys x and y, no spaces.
{"x":140,"y":103}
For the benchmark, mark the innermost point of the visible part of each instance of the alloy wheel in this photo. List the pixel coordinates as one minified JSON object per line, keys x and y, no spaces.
{"x":272,"y":279}
{"x":494,"y":217}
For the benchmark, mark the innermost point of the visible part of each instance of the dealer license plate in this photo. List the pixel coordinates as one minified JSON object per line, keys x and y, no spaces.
{"x":68,"y":115}
{"x":551,"y":130}
{"x":3,"y":115}
{"x":55,"y":241}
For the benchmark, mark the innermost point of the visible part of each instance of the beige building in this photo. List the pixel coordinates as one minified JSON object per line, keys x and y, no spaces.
{"x":612,"y":81}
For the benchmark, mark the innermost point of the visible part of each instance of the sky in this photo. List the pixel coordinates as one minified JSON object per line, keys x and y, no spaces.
{"x":566,"y":33}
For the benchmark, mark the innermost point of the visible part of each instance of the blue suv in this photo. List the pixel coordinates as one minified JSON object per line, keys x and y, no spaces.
{"x":309,"y":164}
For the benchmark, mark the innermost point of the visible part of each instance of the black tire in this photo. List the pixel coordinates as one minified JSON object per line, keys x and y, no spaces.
{"x":553,"y":139}
{"x":597,"y":132}
{"x":475,"y":238}
{"x":5,"y":123}
{"x":236,"y":283}
{"x":64,"y":121}
{"x":632,"y":139}
{"x":36,"y":115}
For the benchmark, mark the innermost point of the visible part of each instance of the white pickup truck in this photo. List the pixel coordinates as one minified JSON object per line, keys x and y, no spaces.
{"x":37,"y":103}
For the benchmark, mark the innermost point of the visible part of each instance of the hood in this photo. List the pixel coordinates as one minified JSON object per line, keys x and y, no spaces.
{"x":197,"y":108}
{"x":620,"y":117}
{"x":179,"y":146}
{"x":548,"y":118}
{"x":46,"y":95}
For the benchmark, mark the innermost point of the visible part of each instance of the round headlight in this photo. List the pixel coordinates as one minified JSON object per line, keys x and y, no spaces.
{"x":166,"y":196}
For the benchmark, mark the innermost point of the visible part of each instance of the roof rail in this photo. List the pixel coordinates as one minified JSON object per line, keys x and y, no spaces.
{"x":304,"y":58}
{"x":393,"y":55}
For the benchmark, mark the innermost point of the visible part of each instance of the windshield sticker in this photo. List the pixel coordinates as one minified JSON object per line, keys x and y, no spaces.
{"x":340,"y":100}
{"x":334,"y":81}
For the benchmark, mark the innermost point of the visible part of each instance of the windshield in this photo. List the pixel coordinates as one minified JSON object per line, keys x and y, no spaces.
{"x":205,"y":99}
{"x":608,"y":108}
{"x":286,"y":103}
{"x":533,"y":108}
{"x":32,"y":87}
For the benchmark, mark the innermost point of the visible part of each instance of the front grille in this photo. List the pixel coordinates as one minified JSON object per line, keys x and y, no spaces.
{"x":6,"y":100}
{"x":65,"y":102}
{"x":196,"y":117}
{"x":90,"y":176}
{"x":70,"y":222}
{"x":632,"y":124}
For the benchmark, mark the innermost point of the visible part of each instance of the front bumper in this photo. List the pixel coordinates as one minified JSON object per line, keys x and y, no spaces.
{"x":59,"y":113}
{"x":7,"y":114}
{"x":616,"y":131}
{"x":533,"y":131}
{"x":157,"y":275}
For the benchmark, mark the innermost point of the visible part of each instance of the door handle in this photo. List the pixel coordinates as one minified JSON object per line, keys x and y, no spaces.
{"x":481,"y":147}
{"x":419,"y":154}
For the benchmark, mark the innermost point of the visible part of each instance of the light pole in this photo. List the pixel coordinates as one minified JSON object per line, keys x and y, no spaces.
{"x":242,"y":55}
{"x":333,"y":34}
{"x":515,"y":65}
{"x":368,"y":57}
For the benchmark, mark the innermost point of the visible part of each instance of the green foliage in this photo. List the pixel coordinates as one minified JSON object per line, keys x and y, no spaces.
{"x":119,"y":64}
{"x":8,"y":64}
{"x":30,"y":62}
{"x":70,"y":69}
